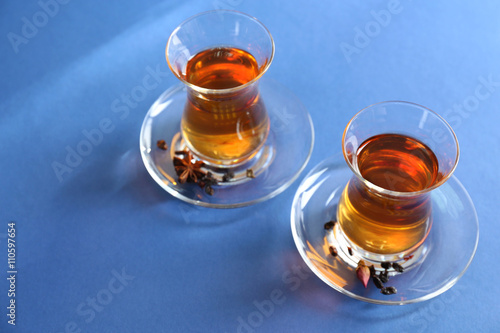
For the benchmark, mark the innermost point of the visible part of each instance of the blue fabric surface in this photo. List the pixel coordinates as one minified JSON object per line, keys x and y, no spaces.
{"x":102,"y":248}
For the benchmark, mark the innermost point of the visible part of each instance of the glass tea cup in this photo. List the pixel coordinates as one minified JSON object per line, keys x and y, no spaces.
{"x":399,"y":152}
{"x":220,"y":56}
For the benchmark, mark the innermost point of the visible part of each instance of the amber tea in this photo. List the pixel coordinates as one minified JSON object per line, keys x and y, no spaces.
{"x":389,"y":223}
{"x":225,"y":123}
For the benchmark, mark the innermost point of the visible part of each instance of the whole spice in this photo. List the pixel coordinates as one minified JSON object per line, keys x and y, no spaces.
{"x":350,"y":251}
{"x":363,"y":273}
{"x":187,"y":170}
{"x":397,"y":267}
{"x":207,"y":181}
{"x":250,"y":173}
{"x":209,"y":190}
{"x":384,"y":277}
{"x":333,"y":251}
{"x":228,"y":176}
{"x":386,"y":265}
{"x":388,"y":290}
{"x":377,"y":282}
{"x":406,"y":258}
{"x":161,"y":144}
{"x":373,"y":272}
{"x":329,"y":225}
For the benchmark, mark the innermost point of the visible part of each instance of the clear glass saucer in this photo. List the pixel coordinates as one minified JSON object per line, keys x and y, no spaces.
{"x":446,"y":253}
{"x":282,"y":158}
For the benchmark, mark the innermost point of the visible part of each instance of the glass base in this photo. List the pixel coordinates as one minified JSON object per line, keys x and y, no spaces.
{"x":258,"y":163}
{"x":407,"y":260}
{"x":434,"y":267}
{"x":280,"y":161}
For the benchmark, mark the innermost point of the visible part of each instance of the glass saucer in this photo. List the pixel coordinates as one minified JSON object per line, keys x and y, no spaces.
{"x":447,"y":251}
{"x":283,"y":157}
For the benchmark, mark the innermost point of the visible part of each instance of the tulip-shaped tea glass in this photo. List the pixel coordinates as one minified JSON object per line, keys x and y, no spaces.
{"x":225,"y":121}
{"x":399,"y":153}
{"x":238,"y":127}
{"x":396,"y":202}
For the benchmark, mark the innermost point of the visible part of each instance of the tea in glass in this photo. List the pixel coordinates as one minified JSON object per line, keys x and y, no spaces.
{"x":383,"y":223}
{"x":399,"y":152}
{"x":230,"y":126}
{"x":221,"y":56}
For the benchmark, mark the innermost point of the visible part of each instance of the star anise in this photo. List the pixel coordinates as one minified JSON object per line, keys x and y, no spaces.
{"x":186,"y":169}
{"x":162,"y":144}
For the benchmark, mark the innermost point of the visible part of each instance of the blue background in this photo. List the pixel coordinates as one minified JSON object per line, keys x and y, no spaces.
{"x":191,"y":269}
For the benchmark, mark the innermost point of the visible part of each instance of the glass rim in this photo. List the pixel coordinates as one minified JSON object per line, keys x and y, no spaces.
{"x":226,"y":90}
{"x":392,"y":192}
